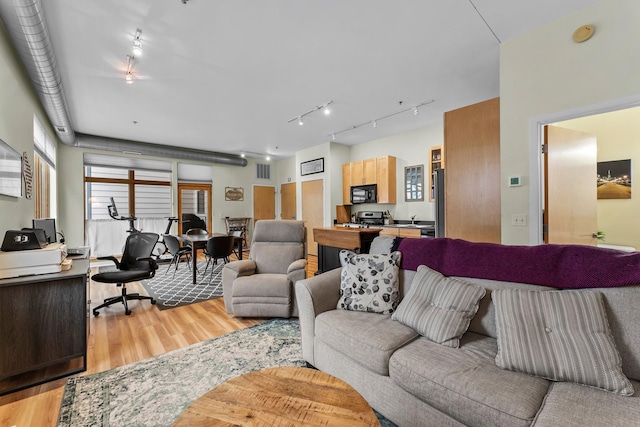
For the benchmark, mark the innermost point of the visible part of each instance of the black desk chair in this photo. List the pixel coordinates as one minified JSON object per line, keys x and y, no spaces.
{"x":178,"y":252}
{"x":136,"y":264}
{"x":218,"y":247}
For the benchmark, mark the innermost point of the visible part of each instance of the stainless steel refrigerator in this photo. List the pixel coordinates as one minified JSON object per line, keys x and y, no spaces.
{"x":438,"y":196}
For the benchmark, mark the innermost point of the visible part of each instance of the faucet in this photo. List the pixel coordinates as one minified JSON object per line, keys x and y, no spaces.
{"x":413,"y":218}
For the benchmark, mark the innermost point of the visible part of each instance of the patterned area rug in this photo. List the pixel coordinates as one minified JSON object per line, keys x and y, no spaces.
{"x":172,"y":291}
{"x":155,"y":391}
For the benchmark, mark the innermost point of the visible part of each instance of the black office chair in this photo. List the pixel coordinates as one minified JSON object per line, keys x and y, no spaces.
{"x":218,"y":247}
{"x":177,"y":251}
{"x":136,"y":264}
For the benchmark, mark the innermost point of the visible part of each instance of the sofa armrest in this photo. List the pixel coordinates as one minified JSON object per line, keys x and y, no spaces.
{"x":314,"y":296}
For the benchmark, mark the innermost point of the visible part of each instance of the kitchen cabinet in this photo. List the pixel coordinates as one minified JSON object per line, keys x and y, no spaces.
{"x":346,"y":184}
{"x":436,"y":161}
{"x":380,"y":171}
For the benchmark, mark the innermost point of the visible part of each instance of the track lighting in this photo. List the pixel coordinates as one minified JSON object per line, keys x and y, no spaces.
{"x":374,"y":122}
{"x":324,"y":107}
{"x":129,"y":76}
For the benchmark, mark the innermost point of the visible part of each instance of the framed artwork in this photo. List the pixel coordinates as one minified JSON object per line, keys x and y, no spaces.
{"x":614,"y":179}
{"x":312,"y":166}
{"x":234,"y":194}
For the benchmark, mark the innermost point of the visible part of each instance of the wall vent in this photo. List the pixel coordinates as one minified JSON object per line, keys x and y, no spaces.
{"x":263,"y":171}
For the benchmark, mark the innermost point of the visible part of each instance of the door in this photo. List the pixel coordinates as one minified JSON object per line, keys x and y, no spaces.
{"x":288,"y":201}
{"x":264,"y":203}
{"x":570,"y":214}
{"x":312,"y":211}
{"x":194,"y":200}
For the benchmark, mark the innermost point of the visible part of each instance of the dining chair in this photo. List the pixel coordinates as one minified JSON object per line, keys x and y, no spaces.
{"x":196,"y":231}
{"x":218,"y":247}
{"x":177,"y":251}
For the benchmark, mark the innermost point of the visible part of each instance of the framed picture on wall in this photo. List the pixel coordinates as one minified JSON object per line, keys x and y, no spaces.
{"x":312,"y":166}
{"x":614,"y":179}
{"x":234,"y":194}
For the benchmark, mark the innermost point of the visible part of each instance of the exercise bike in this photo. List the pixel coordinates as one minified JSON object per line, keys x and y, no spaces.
{"x":160,"y":248}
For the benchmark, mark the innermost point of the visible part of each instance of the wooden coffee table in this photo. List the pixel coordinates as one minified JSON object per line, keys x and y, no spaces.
{"x":283,"y":396}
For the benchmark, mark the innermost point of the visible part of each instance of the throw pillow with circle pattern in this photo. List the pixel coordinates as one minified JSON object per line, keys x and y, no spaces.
{"x":369,"y":282}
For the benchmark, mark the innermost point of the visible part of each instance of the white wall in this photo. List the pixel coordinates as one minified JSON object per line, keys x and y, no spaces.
{"x":544,"y":72}
{"x":18,"y":104}
{"x":410,"y":148}
{"x":618,"y":135}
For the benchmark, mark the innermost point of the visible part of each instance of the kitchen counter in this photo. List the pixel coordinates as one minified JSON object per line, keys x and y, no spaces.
{"x":331,"y":240}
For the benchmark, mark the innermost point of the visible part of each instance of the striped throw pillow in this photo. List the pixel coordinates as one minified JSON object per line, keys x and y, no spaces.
{"x":438,"y":307}
{"x":558,"y":335}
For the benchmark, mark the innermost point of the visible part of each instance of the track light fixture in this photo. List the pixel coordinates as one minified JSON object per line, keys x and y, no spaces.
{"x":137,"y":44}
{"x":129,"y":76}
{"x":324,"y":107}
{"x":374,"y":122}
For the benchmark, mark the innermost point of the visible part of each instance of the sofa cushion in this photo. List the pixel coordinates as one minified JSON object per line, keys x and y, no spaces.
{"x":369,"y":282}
{"x":559,"y":335}
{"x":438,"y":307}
{"x":465,"y":383}
{"x":572,"y":405}
{"x":367,"y":338}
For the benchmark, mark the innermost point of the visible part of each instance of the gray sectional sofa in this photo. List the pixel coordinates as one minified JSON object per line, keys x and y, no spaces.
{"x":414,"y":381}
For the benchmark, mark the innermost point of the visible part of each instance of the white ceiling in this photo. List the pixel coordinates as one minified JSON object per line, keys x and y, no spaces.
{"x":228,"y":75}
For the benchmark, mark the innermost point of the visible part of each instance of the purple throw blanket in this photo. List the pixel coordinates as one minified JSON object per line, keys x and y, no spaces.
{"x":560,"y":266}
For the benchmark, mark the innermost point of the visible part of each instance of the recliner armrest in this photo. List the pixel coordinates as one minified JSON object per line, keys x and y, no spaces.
{"x":245,"y":267}
{"x":299,"y":264}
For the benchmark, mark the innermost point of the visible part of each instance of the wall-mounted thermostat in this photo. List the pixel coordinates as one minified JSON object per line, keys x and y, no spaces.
{"x":515,"y":181}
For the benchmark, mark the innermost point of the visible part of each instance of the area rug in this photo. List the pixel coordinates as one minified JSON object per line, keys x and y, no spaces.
{"x":170,"y":291}
{"x":155,"y":391}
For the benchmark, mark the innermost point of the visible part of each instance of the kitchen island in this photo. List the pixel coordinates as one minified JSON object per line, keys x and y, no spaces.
{"x":331,"y":240}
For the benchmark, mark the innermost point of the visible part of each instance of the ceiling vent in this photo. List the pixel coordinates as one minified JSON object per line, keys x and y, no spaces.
{"x":263,"y":171}
{"x":62,"y":129}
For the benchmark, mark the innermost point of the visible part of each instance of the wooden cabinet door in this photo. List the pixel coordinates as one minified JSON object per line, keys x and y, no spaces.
{"x":369,"y":167}
{"x":357,"y":173}
{"x":386,"y":179}
{"x":346,"y":184}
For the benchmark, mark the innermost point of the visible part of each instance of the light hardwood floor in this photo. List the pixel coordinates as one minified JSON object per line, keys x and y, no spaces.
{"x":116,"y":340}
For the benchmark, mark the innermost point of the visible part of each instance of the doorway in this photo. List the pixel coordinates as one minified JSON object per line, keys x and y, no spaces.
{"x":288,"y":201}
{"x":194,"y":206}
{"x":264,"y":202}
{"x":619,"y":142}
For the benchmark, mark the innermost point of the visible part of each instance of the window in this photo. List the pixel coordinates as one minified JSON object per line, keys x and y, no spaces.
{"x":414,"y":183}
{"x":44,"y":172}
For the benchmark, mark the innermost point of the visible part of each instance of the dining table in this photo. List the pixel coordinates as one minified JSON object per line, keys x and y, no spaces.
{"x":199,"y":241}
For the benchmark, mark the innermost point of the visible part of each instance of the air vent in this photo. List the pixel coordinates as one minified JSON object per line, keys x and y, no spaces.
{"x":61,"y":129}
{"x":263,"y":171}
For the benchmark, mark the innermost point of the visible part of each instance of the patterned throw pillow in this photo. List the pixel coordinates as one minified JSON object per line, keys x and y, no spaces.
{"x":558,"y":335}
{"x":438,"y":307}
{"x":369,"y":282}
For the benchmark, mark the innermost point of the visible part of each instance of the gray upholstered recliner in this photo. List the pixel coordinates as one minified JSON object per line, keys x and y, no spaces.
{"x":263,"y":285}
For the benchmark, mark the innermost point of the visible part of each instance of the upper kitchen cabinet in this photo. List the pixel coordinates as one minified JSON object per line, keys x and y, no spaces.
{"x":380,"y":171}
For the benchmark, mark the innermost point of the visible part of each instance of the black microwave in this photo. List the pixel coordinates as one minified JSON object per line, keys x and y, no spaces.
{"x":364,"y":194}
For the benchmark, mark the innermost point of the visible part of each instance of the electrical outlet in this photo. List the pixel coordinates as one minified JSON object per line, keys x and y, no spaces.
{"x":519,"y":220}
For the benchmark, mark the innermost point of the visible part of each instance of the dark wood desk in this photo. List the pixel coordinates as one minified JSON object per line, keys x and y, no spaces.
{"x":199,"y":241}
{"x":43,"y":325}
